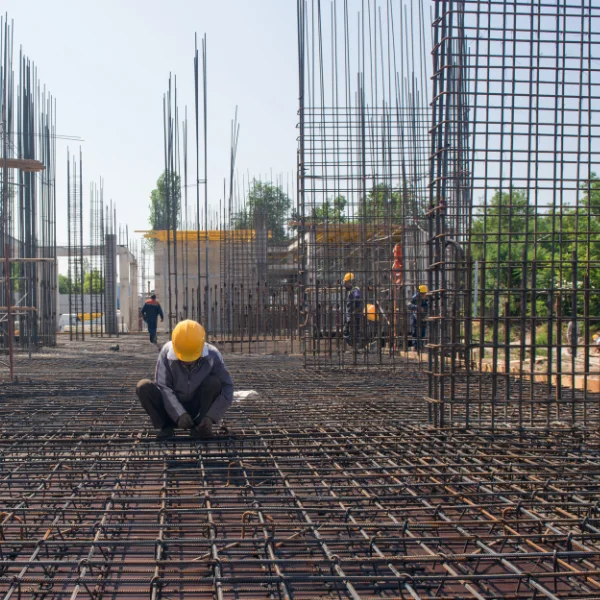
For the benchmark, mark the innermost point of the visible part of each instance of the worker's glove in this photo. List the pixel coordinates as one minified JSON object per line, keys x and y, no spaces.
{"x":204,"y":429}
{"x":185,"y":421}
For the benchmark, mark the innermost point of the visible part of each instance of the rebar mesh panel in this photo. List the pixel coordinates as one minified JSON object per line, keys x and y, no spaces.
{"x":362,"y":178}
{"x":327,"y":493}
{"x":514,"y":241}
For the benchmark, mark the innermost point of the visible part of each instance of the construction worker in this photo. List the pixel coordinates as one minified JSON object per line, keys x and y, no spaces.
{"x":418,"y":327}
{"x":372,"y":314}
{"x":354,"y":309}
{"x":150,"y":313}
{"x":192,"y":388}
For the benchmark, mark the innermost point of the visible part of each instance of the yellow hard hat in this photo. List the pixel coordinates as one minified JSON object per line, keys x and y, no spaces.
{"x":348,"y":277}
{"x":371,"y":312}
{"x":423,"y":289}
{"x":188,"y":339}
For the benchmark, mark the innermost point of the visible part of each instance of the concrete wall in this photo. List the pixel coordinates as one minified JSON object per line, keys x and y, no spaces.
{"x":185,"y":297}
{"x":88,"y":305}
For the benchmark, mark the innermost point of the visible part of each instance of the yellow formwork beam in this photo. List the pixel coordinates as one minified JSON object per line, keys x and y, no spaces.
{"x":212,"y":235}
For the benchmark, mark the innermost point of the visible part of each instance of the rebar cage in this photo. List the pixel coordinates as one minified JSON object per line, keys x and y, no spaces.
{"x":514,"y":241}
{"x":27,"y":203}
{"x":362,"y":179}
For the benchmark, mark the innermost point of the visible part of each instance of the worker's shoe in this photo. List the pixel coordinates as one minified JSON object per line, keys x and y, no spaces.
{"x":165,"y":433}
{"x":203,"y":429}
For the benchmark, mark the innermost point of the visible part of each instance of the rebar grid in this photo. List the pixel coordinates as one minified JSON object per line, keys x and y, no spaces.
{"x":324,"y":493}
{"x":514,"y":208}
{"x":362,"y":177}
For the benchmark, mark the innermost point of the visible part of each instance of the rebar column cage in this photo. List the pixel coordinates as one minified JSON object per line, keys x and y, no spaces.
{"x":76,"y":265}
{"x":362,"y":178}
{"x":27,"y":203}
{"x":95,"y":289}
{"x":514,"y":239}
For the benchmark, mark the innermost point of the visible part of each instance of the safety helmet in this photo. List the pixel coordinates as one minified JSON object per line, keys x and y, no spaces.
{"x":188,"y":340}
{"x":423,"y":289}
{"x":371,"y":312}
{"x":348,"y":277}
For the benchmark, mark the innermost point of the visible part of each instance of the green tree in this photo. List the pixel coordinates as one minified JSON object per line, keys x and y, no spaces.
{"x":591,"y":194}
{"x":504,"y":233}
{"x":332,"y":212}
{"x":576,"y":246}
{"x":67,"y":286}
{"x":509,"y":235}
{"x":272,"y":202}
{"x":164,"y":199}
{"x":63,"y":284}
{"x":385,"y":203}
{"x":93,"y":282}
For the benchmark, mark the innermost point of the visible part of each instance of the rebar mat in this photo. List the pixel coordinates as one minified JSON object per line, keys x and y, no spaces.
{"x":327,"y":486}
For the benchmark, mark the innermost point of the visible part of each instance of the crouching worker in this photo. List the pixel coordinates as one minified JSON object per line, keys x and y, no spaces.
{"x":192,"y":387}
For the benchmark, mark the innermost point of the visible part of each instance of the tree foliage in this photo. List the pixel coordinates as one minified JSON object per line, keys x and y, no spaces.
{"x":385,"y":204}
{"x":330,"y":211}
{"x":272,"y":203}
{"x":93,"y":283}
{"x":165,"y":200}
{"x":514,"y":242}
{"x":66,"y":285}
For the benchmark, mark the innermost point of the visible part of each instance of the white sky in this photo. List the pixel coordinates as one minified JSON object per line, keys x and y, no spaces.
{"x":107,"y":64}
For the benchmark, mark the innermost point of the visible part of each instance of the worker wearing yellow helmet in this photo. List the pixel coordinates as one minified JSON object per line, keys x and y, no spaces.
{"x":192,"y":388}
{"x":354,"y":309}
{"x":419,"y":306}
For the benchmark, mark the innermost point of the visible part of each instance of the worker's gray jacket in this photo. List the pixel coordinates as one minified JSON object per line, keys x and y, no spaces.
{"x":178,"y":383}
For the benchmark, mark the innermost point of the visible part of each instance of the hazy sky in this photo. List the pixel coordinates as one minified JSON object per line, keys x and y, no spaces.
{"x":107,"y":64}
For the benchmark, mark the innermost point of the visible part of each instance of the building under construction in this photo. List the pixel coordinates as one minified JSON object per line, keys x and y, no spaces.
{"x":446,"y":443}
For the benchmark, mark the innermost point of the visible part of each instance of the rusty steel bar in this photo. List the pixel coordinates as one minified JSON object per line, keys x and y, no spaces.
{"x":329,"y":484}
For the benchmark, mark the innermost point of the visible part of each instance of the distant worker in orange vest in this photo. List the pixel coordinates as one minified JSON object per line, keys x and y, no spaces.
{"x":150,"y":313}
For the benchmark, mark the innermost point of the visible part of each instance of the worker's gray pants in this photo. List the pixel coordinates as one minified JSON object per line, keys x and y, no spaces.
{"x":153,"y":402}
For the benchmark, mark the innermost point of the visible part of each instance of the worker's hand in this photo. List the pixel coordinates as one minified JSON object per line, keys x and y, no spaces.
{"x":204,"y":429}
{"x":185,"y":421}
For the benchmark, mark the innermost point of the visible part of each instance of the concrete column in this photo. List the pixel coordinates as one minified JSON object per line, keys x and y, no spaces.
{"x":134,"y":297}
{"x":57,"y":299}
{"x":125,"y":292}
{"x":110,"y":284}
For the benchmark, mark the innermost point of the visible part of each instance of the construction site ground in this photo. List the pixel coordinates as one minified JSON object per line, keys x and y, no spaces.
{"x":330,"y":484}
